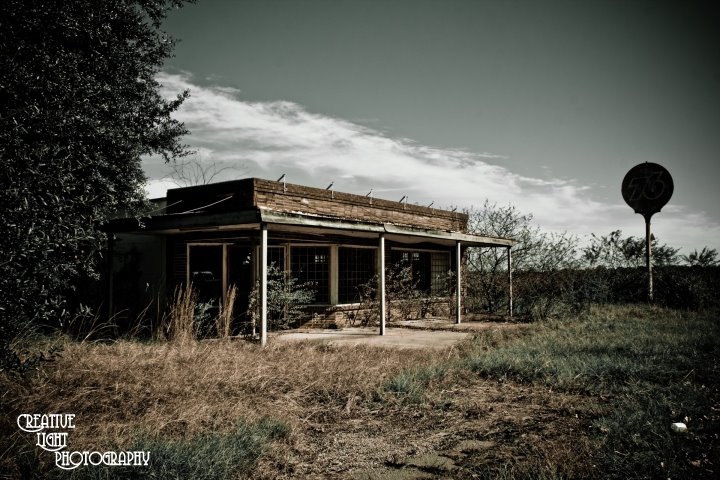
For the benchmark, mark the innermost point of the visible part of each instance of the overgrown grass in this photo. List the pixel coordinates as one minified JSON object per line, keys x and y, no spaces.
{"x":209,"y":456}
{"x":636,"y":368}
{"x":650,"y":366}
{"x":189,"y":393}
{"x":641,"y":368}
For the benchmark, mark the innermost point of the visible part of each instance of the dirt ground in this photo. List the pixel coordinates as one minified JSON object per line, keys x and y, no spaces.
{"x":475,"y":427}
{"x":469,"y":427}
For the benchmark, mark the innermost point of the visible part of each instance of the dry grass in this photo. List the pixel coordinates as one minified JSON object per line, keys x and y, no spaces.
{"x":553,"y":400}
{"x":181,"y":389}
{"x":223,"y":320}
{"x":179,"y":325}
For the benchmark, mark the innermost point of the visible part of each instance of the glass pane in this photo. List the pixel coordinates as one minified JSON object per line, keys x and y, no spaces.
{"x":311,"y":264}
{"x":356,"y":266}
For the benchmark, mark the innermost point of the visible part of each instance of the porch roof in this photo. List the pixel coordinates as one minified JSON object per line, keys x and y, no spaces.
{"x":251,"y":219}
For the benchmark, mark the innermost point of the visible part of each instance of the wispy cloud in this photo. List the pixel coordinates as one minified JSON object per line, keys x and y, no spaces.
{"x":267,"y":139}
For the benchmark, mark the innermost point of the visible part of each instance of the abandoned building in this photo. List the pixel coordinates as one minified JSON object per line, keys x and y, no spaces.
{"x":229,"y":233}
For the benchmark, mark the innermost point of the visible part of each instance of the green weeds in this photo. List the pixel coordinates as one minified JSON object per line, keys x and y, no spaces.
{"x":203,"y":457}
{"x":641,"y":368}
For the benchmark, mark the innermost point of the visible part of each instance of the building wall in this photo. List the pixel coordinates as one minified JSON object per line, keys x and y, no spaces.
{"x":253,"y":193}
{"x":324,"y":203}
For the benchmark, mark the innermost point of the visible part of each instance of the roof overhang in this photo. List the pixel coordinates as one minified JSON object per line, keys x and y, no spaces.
{"x":276,"y":221}
{"x":401,"y":234}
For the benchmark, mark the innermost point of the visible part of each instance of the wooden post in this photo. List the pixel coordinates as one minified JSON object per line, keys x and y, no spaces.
{"x":510,"y":285}
{"x":458,"y":287}
{"x":263,"y":283}
{"x":381,"y":283}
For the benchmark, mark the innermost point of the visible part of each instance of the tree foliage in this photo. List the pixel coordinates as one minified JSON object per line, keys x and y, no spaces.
{"x":80,"y":107}
{"x":707,"y":257}
{"x":536,"y":251}
{"x":614,"y":251}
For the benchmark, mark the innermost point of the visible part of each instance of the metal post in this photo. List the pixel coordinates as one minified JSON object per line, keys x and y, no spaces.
{"x":381,"y":283}
{"x":263,"y":283}
{"x":648,"y":258}
{"x":458,"y":287}
{"x":509,"y":267}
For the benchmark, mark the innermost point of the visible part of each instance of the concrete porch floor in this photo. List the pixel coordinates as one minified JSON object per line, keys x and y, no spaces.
{"x":427,"y":333}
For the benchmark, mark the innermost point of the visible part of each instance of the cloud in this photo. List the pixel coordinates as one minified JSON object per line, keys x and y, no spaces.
{"x":267,"y":139}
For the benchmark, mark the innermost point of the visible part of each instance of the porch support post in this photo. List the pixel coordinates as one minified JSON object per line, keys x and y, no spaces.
{"x":458,"y":287}
{"x":510,"y":288}
{"x":263,"y":283}
{"x":381,"y":283}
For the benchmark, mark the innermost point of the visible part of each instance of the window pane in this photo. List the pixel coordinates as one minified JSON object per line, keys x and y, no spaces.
{"x":311,"y":264}
{"x":276,"y":256}
{"x":440,"y":266}
{"x":356,"y":266}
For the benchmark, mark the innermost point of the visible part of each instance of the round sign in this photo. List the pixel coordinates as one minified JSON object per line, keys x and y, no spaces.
{"x":647,"y":188}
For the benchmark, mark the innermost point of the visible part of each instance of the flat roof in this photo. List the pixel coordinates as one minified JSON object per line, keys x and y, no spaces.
{"x":178,"y":223}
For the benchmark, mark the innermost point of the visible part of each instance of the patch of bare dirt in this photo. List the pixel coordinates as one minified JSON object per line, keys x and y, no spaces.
{"x":466,"y":429}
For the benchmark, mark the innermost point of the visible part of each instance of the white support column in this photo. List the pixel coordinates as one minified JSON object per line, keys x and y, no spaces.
{"x":458,"y":287}
{"x":263,"y":283}
{"x":509,"y":267}
{"x":381,"y":283}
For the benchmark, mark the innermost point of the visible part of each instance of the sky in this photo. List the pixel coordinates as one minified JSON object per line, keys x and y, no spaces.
{"x":544,"y":105}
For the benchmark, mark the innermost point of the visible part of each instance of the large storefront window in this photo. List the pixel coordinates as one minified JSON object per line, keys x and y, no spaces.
{"x":429,"y":269}
{"x":312,"y":264}
{"x":356,"y":266}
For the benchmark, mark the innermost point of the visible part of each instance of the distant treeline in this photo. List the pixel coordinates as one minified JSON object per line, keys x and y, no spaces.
{"x":539,"y":294}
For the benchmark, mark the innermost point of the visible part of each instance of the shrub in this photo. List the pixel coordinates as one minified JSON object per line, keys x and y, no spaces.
{"x":403,"y":298}
{"x":286,"y":299}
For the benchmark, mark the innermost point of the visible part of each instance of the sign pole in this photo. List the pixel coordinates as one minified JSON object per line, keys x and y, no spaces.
{"x":647,"y":188}
{"x":648,"y":258}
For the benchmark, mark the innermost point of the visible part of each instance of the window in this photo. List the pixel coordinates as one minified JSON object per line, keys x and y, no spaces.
{"x":355,"y":267}
{"x":276,"y":256}
{"x":312,"y":264}
{"x":439,"y":268}
{"x":429,"y":269}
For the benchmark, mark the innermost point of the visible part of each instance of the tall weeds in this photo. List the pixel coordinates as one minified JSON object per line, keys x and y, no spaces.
{"x":179,"y":325}
{"x":223,"y":321}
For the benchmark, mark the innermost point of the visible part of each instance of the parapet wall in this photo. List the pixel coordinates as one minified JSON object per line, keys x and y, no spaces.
{"x":251,"y":193}
{"x":325,"y":203}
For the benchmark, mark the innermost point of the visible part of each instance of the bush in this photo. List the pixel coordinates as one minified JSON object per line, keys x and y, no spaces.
{"x":403,"y":298}
{"x":286,"y":299}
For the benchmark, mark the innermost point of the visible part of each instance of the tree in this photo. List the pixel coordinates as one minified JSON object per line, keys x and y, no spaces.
{"x":614,"y":251}
{"x":80,"y":107}
{"x":194,"y":171}
{"x":705,"y":258}
{"x":536,"y":251}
